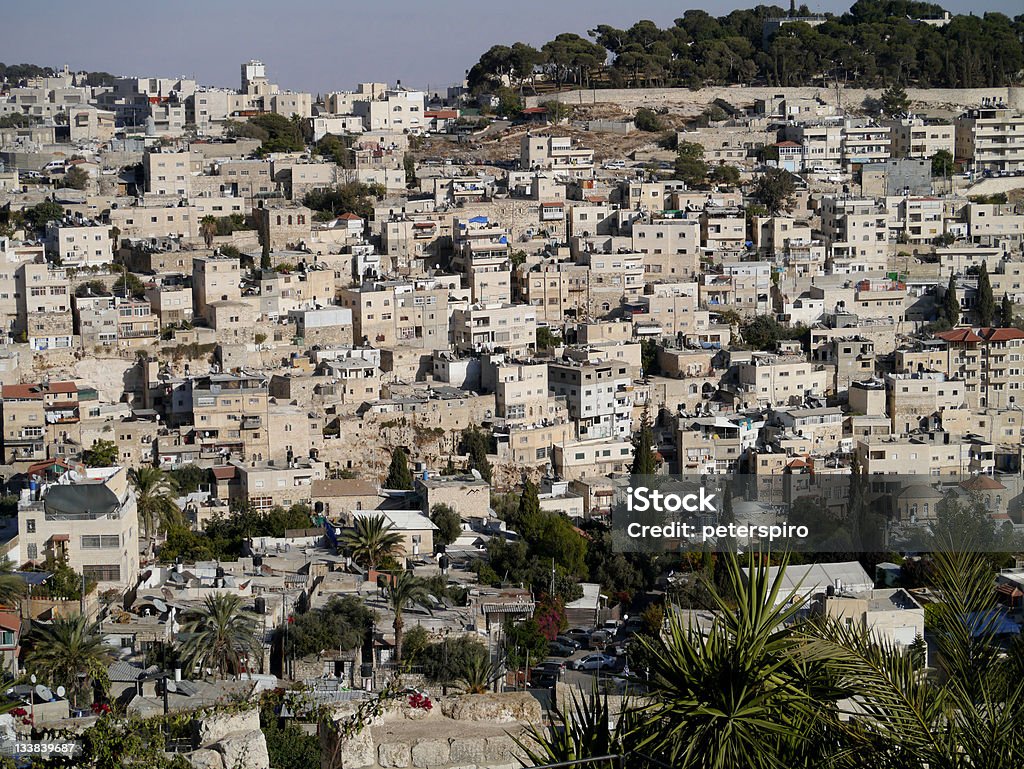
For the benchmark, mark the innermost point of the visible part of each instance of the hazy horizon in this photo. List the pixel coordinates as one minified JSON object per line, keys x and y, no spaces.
{"x":327,"y":47}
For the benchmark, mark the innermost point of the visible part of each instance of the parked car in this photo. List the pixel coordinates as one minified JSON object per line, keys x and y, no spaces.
{"x":543,"y":681}
{"x":558,"y":649}
{"x":552,"y":666}
{"x":568,"y":640}
{"x":600,"y":638}
{"x":580,"y":636}
{"x":594,"y":662}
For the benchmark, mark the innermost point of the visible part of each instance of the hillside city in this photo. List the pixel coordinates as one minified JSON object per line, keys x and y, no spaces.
{"x":319,"y":409}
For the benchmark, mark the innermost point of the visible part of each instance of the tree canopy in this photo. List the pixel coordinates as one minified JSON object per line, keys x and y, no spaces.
{"x":876,"y":43}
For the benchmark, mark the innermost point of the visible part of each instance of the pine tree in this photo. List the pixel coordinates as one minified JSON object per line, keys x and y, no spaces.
{"x":1006,"y":312}
{"x":399,"y":475}
{"x":644,"y":462}
{"x":950,"y":304}
{"x":986,"y":303}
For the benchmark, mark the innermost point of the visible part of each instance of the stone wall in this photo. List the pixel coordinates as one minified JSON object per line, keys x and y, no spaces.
{"x":475,"y":731}
{"x":229,"y":741}
{"x":687,"y":101}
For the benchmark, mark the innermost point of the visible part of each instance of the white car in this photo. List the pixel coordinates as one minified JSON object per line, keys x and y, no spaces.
{"x":594,"y":662}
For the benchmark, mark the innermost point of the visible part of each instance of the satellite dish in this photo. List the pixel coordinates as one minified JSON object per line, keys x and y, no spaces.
{"x":44,"y":693}
{"x":476,"y":474}
{"x":167,"y":594}
{"x":61,"y":691}
{"x":160,"y":605}
{"x":33,"y":678}
{"x":172,"y":687}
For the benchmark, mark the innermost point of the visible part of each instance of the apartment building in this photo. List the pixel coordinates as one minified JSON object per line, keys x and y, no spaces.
{"x":413,"y":242}
{"x":44,"y":306}
{"x":214,"y":279}
{"x":994,"y":220}
{"x":817,"y":144}
{"x":855,"y":231}
{"x":574,"y":460}
{"x":35,"y":415}
{"x":409,"y":313}
{"x":931,"y":453}
{"x":521,"y":392}
{"x":398,"y":110}
{"x":991,"y":139}
{"x":557,"y":154}
{"x":768,"y":379}
{"x":671,"y":247}
{"x":88,"y":518}
{"x":494,"y":327}
{"x":915,"y":401}
{"x":80,"y":242}
{"x":304,"y":289}
{"x":723,"y":228}
{"x":598,"y":396}
{"x":171,"y":304}
{"x":670,"y":309}
{"x":865,"y":144}
{"x":171,"y":173}
{"x":988,"y":360}
{"x":916,"y":138}
{"x":227,"y":414}
{"x":266,"y":484}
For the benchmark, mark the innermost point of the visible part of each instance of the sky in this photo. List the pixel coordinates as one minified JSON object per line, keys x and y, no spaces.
{"x":322,"y":45}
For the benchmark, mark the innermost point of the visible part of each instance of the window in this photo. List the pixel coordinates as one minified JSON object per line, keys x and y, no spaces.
{"x":100,"y":541}
{"x":32,"y":551}
{"x":102,"y":573}
{"x":30,"y":525}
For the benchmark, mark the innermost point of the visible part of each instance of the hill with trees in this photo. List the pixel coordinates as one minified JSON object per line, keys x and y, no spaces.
{"x":875,"y":43}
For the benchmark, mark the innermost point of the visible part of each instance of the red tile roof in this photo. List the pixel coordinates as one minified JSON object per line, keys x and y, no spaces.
{"x":959,"y":335}
{"x":225,"y":473}
{"x":534,"y":110}
{"x":1001,"y":334}
{"x":348,"y":217}
{"x":37,"y":390}
{"x":982,"y":483}
{"x":448,"y":114}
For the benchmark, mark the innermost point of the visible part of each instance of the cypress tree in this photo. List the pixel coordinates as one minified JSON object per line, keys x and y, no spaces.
{"x":986,"y":303}
{"x":399,"y":475}
{"x":1006,"y":312}
{"x":644,"y":462}
{"x":950,"y":304}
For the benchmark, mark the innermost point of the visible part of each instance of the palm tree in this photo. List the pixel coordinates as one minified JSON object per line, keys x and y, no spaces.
{"x":208,"y":228}
{"x":584,"y":729}
{"x":69,"y":652}
{"x":12,"y":587}
{"x":371,"y":539}
{"x":739,"y":694}
{"x":154,"y":491}
{"x":405,"y":590}
{"x":969,"y":716}
{"x":220,"y":635}
{"x":478,"y":673}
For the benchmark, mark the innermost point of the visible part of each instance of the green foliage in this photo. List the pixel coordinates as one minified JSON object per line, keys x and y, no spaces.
{"x":136,"y":288}
{"x":557,"y":111}
{"x":342,"y":624}
{"x":189,"y":477}
{"x":763,"y":332}
{"x":950,"y":311}
{"x":223,"y":535}
{"x":444,"y":662}
{"x":690,"y":166}
{"x":775,"y":189}
{"x":18,"y":120}
{"x":399,"y":475}
{"x":76,"y":178}
{"x":649,"y":357}
{"x":371,"y":539}
{"x":404,"y":592}
{"x":510,"y":105}
{"x":351,"y":198}
{"x":64,"y":583}
{"x":475,"y":443}
{"x":725,"y":175}
{"x":101,"y":454}
{"x":338,"y":149}
{"x":648,"y":120}
{"x":232,"y":223}
{"x":279,"y":134}
{"x":1006,"y":312}
{"x":69,"y":652}
{"x":221,"y":636}
{"x":154,"y":492}
{"x":409,"y":163}
{"x":985,"y":302}
{"x":524,"y":643}
{"x":38,"y":215}
{"x":942,"y":164}
{"x":92,"y":288}
{"x":894,"y":102}
{"x":448,"y":522}
{"x":546,"y":338}
{"x":644,"y":460}
{"x":116,"y":742}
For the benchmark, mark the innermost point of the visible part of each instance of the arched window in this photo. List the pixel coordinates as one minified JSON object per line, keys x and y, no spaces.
{"x":289,"y":219}
{"x":279,"y":218}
